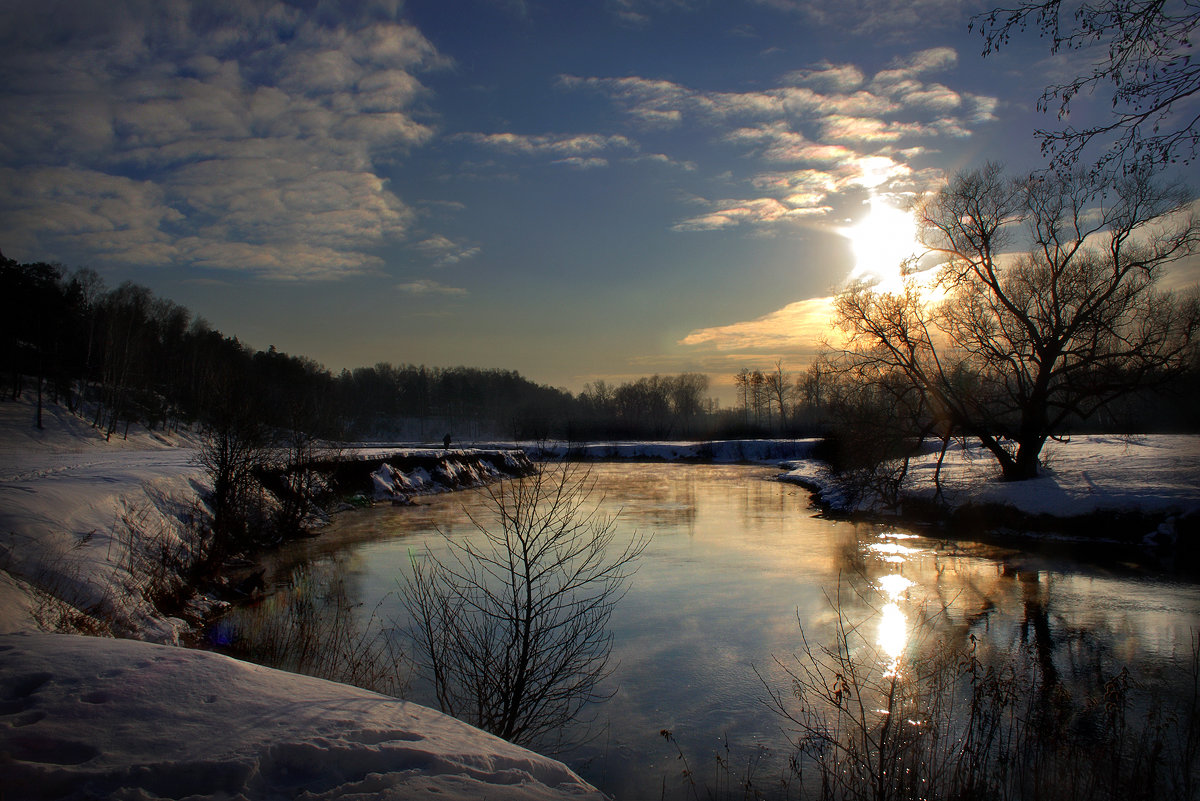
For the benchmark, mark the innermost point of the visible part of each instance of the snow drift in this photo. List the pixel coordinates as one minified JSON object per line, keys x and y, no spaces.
{"x":87,"y":717}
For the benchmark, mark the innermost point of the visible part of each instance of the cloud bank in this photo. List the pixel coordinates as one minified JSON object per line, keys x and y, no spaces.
{"x":818,"y":133}
{"x":231,"y":136}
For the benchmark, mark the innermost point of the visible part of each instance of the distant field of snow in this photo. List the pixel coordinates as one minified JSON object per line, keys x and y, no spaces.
{"x":87,"y":717}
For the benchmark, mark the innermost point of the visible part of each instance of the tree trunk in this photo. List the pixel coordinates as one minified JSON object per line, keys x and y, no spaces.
{"x":1025,"y":466}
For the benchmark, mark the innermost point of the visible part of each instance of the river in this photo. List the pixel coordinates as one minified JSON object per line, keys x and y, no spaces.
{"x":739,"y":573}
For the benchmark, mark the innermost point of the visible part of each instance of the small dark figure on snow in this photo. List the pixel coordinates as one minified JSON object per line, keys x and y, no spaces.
{"x":446,"y":442}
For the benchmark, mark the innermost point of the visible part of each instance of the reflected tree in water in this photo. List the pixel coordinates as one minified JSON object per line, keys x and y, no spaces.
{"x":961,"y":714}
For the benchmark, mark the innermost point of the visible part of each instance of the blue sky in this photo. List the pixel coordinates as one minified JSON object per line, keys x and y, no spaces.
{"x":574,"y":190}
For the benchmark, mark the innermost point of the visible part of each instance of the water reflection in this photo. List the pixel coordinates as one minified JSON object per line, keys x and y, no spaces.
{"x":737,"y":564}
{"x":893,"y":636}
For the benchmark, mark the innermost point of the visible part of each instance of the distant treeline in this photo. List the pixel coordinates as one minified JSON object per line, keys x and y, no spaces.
{"x":123,"y":355}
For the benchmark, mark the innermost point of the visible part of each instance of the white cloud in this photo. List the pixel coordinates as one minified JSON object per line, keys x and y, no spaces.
{"x":777,"y":142}
{"x":582,"y":162}
{"x":571,"y":148}
{"x":663,"y":158}
{"x":755,"y":212}
{"x":826,"y":77}
{"x":445,"y":251}
{"x":902,"y":76}
{"x":824,"y":131}
{"x":255,"y":151}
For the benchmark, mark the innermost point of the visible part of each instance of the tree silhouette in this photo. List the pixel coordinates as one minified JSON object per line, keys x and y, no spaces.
{"x":1143,"y":52}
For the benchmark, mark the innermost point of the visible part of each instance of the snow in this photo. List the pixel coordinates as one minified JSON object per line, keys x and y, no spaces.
{"x":1084,"y":475}
{"x":73,"y":509}
{"x":87,"y":717}
{"x":97,"y":717}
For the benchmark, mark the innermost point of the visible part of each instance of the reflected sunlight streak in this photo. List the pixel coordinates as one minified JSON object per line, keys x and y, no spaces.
{"x":894,"y":585}
{"x":893,"y":635}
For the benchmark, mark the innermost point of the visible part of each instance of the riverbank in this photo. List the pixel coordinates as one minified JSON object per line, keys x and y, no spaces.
{"x":82,"y":521}
{"x":1138,"y":490}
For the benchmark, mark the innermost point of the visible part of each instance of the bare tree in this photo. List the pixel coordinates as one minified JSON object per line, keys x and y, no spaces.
{"x":1024,"y":343}
{"x":1143,"y":50}
{"x":512,"y":628}
{"x":742,"y":382}
{"x":233,"y":449}
{"x":779,"y":387}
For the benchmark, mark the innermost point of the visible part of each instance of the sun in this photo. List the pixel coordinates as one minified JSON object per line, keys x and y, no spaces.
{"x":881,"y":243}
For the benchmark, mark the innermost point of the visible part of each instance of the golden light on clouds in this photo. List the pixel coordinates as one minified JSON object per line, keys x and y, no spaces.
{"x":805,"y":322}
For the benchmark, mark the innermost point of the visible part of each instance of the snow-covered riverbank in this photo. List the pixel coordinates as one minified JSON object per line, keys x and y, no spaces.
{"x":1153,"y":476}
{"x":98,"y":717}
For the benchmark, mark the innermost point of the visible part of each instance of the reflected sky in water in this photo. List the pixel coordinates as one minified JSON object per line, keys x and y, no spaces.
{"x":737,"y":564}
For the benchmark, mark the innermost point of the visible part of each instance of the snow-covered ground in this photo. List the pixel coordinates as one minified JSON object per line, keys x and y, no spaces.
{"x":93,"y":718}
{"x":1087,"y":474}
{"x":97,"y":717}
{"x":73,"y":509}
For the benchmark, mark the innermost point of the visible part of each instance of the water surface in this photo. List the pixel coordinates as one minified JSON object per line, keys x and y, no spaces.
{"x":737,"y":567}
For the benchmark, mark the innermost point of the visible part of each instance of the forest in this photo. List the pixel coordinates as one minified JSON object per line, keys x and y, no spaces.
{"x":123,"y":355}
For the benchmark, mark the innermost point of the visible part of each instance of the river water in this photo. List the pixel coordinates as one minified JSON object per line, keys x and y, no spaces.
{"x":740,"y":572}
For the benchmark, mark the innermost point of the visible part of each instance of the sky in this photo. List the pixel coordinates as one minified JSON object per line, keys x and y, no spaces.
{"x":575,"y":190}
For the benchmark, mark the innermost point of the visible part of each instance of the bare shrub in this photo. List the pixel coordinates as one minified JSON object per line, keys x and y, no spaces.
{"x":512,"y":628}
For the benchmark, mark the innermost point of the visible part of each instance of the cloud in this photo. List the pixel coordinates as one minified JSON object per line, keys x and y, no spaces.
{"x":799,"y":326}
{"x":660,"y":103}
{"x":445,"y":251}
{"x":425,"y":286}
{"x":573,"y":149}
{"x":582,"y":163}
{"x":777,"y":142}
{"x":902,"y":79}
{"x":894,"y":104}
{"x":755,"y":212}
{"x":663,"y":158}
{"x":244,"y":136}
{"x":823,"y":131}
{"x":827,"y":77}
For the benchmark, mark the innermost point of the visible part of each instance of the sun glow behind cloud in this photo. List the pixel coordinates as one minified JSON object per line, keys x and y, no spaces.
{"x":882,"y":242}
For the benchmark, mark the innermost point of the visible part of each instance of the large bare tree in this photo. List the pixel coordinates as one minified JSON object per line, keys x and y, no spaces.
{"x":1050,"y":308}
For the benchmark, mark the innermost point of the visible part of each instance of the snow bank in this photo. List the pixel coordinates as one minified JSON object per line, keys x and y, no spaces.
{"x":86,"y":717}
{"x":425,"y":471}
{"x":79,"y":517}
{"x":84,"y":522}
{"x":1155,"y":474}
